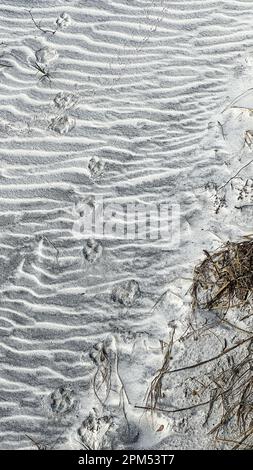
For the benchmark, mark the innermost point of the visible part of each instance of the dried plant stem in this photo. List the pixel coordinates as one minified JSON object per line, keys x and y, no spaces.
{"x":214,"y":358}
{"x":235,"y":175}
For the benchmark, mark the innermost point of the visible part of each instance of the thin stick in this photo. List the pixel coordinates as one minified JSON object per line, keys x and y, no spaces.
{"x":4,"y":66}
{"x":222,"y":130}
{"x":38,"y":25}
{"x":232,"y":177}
{"x":177,"y":410}
{"x":243,"y":205}
{"x":226,"y":351}
{"x":237,"y":98}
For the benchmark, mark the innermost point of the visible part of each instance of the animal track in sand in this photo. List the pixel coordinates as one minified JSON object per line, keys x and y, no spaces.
{"x":96,"y":167}
{"x":65,"y":100}
{"x":126,"y":293}
{"x":93,"y":430}
{"x":104,"y":431}
{"x":62,"y":124}
{"x":92,"y":251}
{"x":63,"y":21}
{"x":62,"y":400}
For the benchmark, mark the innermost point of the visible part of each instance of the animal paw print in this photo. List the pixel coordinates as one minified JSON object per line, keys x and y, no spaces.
{"x":63,"y":21}
{"x":62,"y":400}
{"x":62,"y":124}
{"x":180,"y":425}
{"x":93,"y":430}
{"x":126,"y":293}
{"x":92,"y":251}
{"x":65,"y":100}
{"x":96,"y":167}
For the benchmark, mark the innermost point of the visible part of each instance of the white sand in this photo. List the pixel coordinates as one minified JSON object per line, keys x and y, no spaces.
{"x":129,"y":111}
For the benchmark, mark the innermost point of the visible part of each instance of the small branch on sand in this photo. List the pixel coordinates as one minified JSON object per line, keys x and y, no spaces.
{"x":243,"y":205}
{"x":214,"y":358}
{"x":45,"y":74}
{"x":4,"y":64}
{"x":176,"y":410}
{"x":222,"y":129}
{"x":39,"y":27}
{"x":236,"y":174}
{"x":236,"y":99}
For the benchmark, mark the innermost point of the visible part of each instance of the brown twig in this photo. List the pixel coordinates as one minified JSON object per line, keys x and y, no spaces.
{"x":176,"y":410}
{"x":39,"y":27}
{"x":235,"y":175}
{"x":214,"y":358}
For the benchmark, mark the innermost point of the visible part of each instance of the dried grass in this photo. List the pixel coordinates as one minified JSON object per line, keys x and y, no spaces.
{"x":155,"y":390}
{"x":224,"y":279}
{"x":232,"y":391}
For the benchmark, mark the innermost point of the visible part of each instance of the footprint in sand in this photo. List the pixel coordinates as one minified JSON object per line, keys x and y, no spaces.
{"x":96,"y":167}
{"x":62,"y":124}
{"x":63,"y":21}
{"x":126,"y":293}
{"x":92,"y":250}
{"x":93,"y":430}
{"x":65,"y":100}
{"x":62,"y":400}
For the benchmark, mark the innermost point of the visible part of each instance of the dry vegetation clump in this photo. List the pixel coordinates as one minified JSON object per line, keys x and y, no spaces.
{"x":224,"y":278}
{"x":232,"y":390}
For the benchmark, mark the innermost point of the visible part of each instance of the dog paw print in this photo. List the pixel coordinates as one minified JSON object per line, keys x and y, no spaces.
{"x":63,"y":21}
{"x":62,"y":400}
{"x":65,"y":100}
{"x":93,"y":429}
{"x":92,"y":251}
{"x":180,"y":425}
{"x":96,"y":167}
{"x":105,"y":351}
{"x":62,"y":124}
{"x":126,"y":293}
